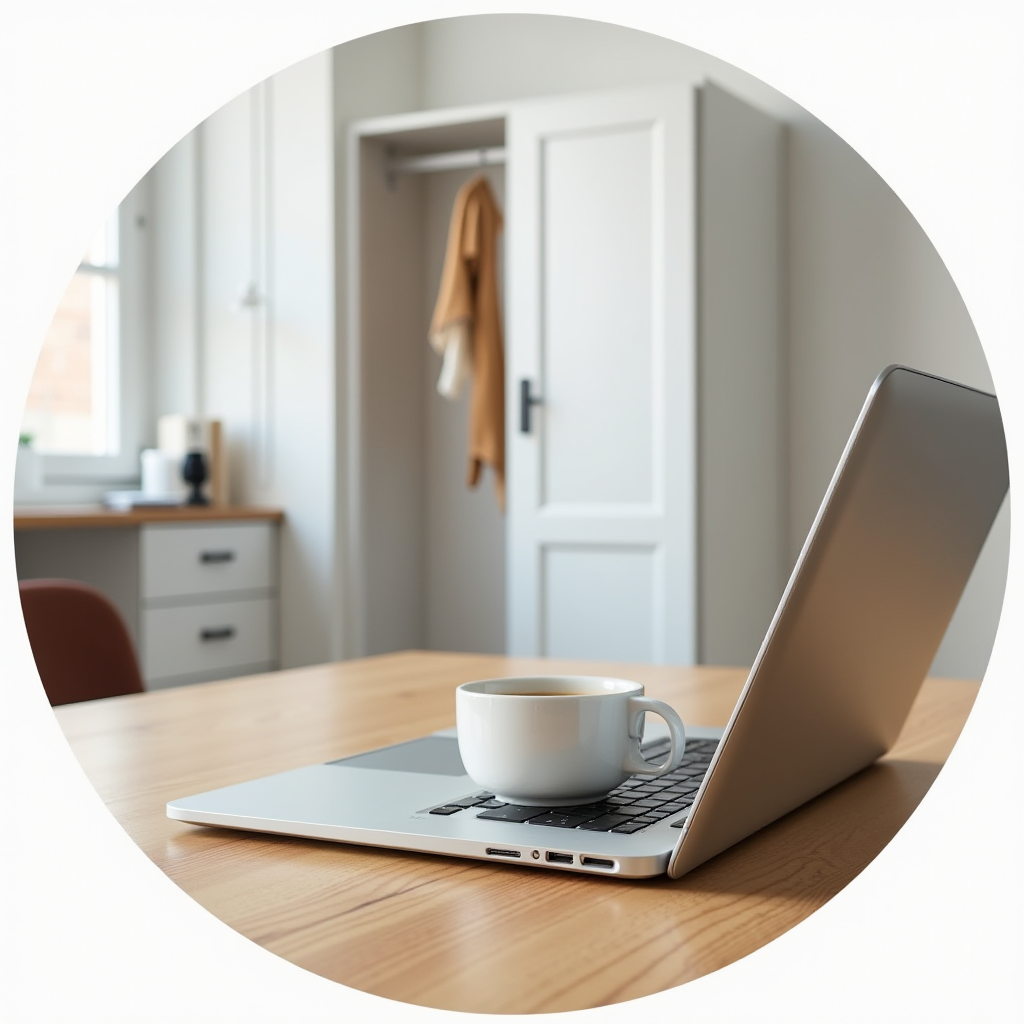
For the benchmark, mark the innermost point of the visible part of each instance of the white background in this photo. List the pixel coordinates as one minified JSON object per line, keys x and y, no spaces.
{"x":930,"y":94}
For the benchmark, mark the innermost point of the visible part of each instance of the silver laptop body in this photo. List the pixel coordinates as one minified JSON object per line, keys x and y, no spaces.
{"x":879,"y":577}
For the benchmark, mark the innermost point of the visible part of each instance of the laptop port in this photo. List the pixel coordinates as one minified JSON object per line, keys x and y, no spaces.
{"x":596,"y":862}
{"x":559,"y":858}
{"x":492,"y":852}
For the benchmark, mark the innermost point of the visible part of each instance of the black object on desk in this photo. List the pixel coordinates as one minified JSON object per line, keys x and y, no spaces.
{"x":194,"y":472}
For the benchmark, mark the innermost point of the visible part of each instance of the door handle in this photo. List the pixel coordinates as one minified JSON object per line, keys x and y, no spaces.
{"x":526,"y":403}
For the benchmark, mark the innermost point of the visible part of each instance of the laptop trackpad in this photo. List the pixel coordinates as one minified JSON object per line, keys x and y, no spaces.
{"x":431,"y":755}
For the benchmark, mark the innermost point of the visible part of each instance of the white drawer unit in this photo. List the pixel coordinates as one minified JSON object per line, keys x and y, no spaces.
{"x":207,"y":600}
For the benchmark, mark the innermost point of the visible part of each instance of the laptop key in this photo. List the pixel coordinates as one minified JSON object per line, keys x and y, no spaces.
{"x":447,"y":809}
{"x":559,"y":820}
{"x":652,"y":750}
{"x":587,"y":810}
{"x":512,"y":812}
{"x":630,"y":827}
{"x":605,"y":823}
{"x":659,"y":815}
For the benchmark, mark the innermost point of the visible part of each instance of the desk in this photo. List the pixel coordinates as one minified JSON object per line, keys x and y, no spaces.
{"x":462,"y":934}
{"x":152,"y":564}
{"x":78,"y":517}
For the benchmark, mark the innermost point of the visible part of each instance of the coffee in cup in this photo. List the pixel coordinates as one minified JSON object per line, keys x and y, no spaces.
{"x":548,"y":741}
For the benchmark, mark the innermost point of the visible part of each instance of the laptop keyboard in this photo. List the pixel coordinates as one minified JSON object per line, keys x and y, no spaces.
{"x":639,"y":802}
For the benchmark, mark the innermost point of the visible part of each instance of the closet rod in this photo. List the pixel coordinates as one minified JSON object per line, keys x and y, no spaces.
{"x":455,"y":160}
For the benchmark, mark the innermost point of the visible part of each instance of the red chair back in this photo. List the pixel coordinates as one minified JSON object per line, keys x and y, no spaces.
{"x":79,"y":640}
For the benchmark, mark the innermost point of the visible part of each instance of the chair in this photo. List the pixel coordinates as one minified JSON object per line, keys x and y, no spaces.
{"x":79,"y":640}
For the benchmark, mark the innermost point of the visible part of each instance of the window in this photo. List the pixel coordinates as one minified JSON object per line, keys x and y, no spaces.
{"x":72,"y":407}
{"x":86,"y":402}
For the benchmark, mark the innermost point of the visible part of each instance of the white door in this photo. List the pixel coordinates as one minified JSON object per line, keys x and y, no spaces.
{"x":601,"y":324}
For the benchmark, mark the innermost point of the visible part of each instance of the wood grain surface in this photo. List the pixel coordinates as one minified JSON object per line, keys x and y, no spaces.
{"x":77,"y":517}
{"x":462,"y":934}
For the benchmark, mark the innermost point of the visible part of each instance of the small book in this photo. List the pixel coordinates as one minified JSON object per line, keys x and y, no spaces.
{"x":123,"y":501}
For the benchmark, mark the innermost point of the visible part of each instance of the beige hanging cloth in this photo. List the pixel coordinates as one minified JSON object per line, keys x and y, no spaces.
{"x":466,"y":328}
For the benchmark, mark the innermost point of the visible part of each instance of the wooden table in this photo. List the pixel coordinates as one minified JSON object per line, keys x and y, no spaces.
{"x":461,"y":934}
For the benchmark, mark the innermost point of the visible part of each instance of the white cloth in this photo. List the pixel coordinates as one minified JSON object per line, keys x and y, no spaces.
{"x":454,"y":343}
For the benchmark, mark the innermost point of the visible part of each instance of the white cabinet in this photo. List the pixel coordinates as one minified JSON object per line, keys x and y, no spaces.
{"x":199,"y":597}
{"x":208,"y":601}
{"x":643,"y":305}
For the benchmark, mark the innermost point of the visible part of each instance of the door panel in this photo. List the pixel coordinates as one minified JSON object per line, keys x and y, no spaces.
{"x":597,"y":332}
{"x":599,"y":602}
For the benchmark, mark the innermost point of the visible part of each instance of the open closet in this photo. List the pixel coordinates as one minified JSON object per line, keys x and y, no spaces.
{"x":430,"y":554}
{"x":644,"y":367}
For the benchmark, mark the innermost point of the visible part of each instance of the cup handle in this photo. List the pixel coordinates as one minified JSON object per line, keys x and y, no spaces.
{"x":634,"y":761}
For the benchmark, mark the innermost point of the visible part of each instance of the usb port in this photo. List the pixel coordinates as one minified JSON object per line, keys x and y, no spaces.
{"x":559,"y":858}
{"x":597,"y":862}
{"x":492,"y":852}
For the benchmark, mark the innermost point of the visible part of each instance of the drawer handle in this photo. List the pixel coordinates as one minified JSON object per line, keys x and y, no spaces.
{"x":217,"y":633}
{"x":212,"y":557}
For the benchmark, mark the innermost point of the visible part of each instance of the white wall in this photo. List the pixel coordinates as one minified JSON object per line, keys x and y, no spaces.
{"x":248,"y":199}
{"x":301,"y":403}
{"x":375,"y":75}
{"x":867,"y":288}
{"x":743,"y":486}
{"x":175,"y":293}
{"x":503,"y":57}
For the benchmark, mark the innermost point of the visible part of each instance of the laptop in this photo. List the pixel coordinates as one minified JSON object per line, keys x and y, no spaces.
{"x":904,"y":518}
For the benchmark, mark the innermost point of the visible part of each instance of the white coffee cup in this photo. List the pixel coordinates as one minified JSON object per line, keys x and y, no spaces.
{"x":551,"y":740}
